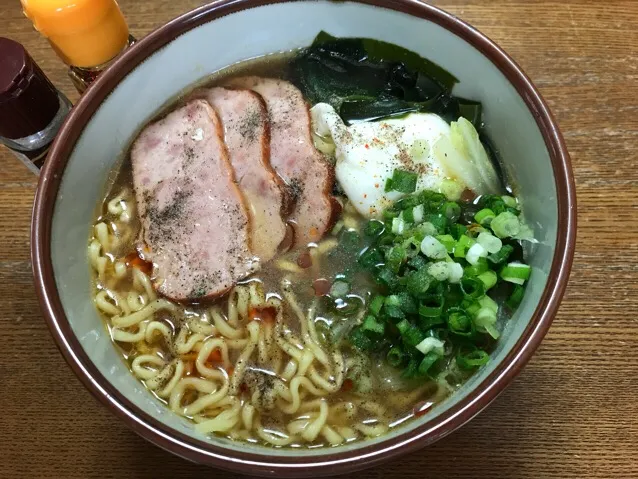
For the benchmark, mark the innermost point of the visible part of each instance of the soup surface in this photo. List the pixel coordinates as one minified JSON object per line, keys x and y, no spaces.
{"x":355,"y":321}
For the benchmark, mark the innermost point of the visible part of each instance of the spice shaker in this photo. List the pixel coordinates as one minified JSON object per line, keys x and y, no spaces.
{"x":31,"y":108}
{"x":86,"y":34}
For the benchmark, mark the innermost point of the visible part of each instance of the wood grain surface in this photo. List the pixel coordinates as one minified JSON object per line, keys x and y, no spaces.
{"x":573,"y":412}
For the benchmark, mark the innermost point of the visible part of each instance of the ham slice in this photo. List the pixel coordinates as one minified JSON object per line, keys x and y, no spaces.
{"x":194,"y":223}
{"x":294,"y":157}
{"x":247,"y":136}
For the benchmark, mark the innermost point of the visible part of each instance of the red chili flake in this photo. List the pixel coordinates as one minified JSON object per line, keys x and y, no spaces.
{"x":243,"y":388}
{"x":304,"y":260}
{"x":468,"y":195}
{"x":132,"y":259}
{"x":376,"y":185}
{"x":347,"y":385}
{"x":321,"y":286}
{"x":267,"y":314}
{"x":367,"y":146}
{"x":422,"y":408}
{"x":365,"y":195}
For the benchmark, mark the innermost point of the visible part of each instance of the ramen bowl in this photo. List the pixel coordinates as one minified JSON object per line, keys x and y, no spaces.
{"x":188,"y":49}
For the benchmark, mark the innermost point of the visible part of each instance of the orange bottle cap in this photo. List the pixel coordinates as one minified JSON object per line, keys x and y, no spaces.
{"x":84,"y":33}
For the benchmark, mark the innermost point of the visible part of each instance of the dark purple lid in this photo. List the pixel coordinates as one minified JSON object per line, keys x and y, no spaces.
{"x":28,"y":100}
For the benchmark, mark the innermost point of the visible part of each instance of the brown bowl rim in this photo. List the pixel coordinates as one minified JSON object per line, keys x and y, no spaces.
{"x":335,"y":461}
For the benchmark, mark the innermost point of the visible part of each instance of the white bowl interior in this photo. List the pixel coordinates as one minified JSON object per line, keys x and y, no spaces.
{"x":257,"y":32}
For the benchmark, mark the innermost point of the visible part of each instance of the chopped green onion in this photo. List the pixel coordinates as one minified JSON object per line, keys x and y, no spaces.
{"x":339,"y":289}
{"x":408,"y":215}
{"x":473,"y":359}
{"x":395,"y":257}
{"x":372,"y":326}
{"x":451,"y":189}
{"x":462,"y":245}
{"x":376,"y":304}
{"x":447,"y":241}
{"x":373,"y":228}
{"x":439,"y":271}
{"x":439,"y":221}
{"x":472,"y":288}
{"x":457,"y":230}
{"x":370,"y":257}
{"x":418,"y":262}
{"x":395,"y":356}
{"x":433,"y":248}
{"x":427,"y":229}
{"x":411,"y":335}
{"x":490,"y":242}
{"x":360,"y":341}
{"x":475,"y":252}
{"x":487,"y":302}
{"x":506,"y":225}
{"x":516,"y":297}
{"x":431,"y":344}
{"x":427,"y":362}
{"x":510,"y":201}
{"x":485,"y":319}
{"x":432,"y":308}
{"x":386,"y":276}
{"x":474,"y":270}
{"x":459,"y":322}
{"x":455,"y":272}
{"x":484,"y":217}
{"x":488,"y":278}
{"x":451,"y":210}
{"x":402,"y":181}
{"x":398,"y":225}
{"x":417,"y":213}
{"x":516,"y":273}
{"x":418,"y":282}
{"x":502,"y":255}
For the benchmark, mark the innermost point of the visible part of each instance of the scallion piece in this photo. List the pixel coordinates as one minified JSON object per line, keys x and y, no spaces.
{"x":484,"y":217}
{"x":516,"y":273}
{"x":432,"y":308}
{"x":431,"y":344}
{"x":472,"y":288}
{"x":474,"y":270}
{"x":487,"y":302}
{"x":459,"y":322}
{"x":439,"y":271}
{"x":455,"y":272}
{"x":427,"y":362}
{"x":417,"y":213}
{"x":462,"y":245}
{"x":370,"y":258}
{"x":472,"y":359}
{"x":457,"y":230}
{"x":395,"y":257}
{"x":516,"y":297}
{"x":475,"y":253}
{"x":418,"y":282}
{"x":506,"y":225}
{"x":376,"y":304}
{"x":433,"y":248}
{"x":399,"y":225}
{"x":502,"y":255}
{"x":510,"y":201}
{"x":490,"y":242}
{"x":451,"y":210}
{"x":395,"y":356}
{"x":488,"y":278}
{"x":485,"y":320}
{"x":402,"y":181}
{"x":372,"y":326}
{"x":408,"y":215}
{"x":373,"y":228}
{"x":360,"y":341}
{"x":447,"y":241}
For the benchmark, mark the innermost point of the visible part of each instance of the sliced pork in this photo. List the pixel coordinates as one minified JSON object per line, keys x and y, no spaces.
{"x":247,"y":135}
{"x":294,"y":157}
{"x":194,"y":224}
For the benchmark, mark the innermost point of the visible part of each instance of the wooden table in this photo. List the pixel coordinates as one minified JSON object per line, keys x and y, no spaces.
{"x":573,"y":412}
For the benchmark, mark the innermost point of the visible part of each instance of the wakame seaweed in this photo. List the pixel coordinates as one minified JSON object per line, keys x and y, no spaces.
{"x":366,"y":80}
